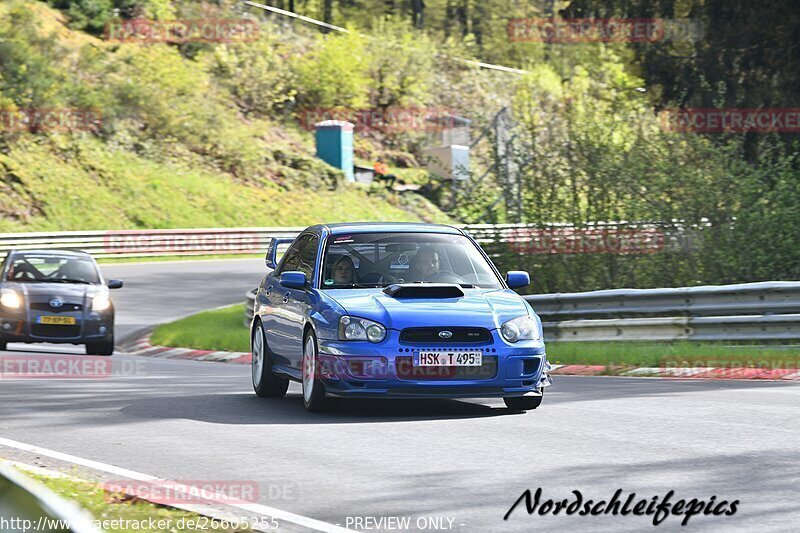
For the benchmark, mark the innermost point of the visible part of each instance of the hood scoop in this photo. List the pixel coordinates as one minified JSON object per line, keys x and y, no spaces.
{"x":424,"y":290}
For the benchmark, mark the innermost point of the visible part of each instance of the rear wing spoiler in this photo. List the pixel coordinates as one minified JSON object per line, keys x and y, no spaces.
{"x":271,"y":259}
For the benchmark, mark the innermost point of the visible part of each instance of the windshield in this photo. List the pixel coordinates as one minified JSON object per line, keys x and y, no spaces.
{"x":379,"y":259}
{"x":52,"y":268}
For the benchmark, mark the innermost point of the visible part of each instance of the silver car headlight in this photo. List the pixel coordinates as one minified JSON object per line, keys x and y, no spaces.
{"x":10,"y":299}
{"x":101,"y":302}
{"x":360,"y":329}
{"x":523,"y":328}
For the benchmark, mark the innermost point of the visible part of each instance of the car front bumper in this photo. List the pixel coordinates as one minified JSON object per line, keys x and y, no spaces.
{"x":22,"y":326}
{"x":385,"y":370}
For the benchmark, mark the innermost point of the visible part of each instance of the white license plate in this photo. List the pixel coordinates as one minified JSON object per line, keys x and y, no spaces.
{"x":445,"y":358}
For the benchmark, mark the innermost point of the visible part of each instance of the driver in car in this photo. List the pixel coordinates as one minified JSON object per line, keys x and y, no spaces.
{"x":425,"y":265}
{"x":76,"y":271}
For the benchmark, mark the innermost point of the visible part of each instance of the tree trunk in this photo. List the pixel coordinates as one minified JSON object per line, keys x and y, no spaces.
{"x":418,"y":13}
{"x":327,"y":11}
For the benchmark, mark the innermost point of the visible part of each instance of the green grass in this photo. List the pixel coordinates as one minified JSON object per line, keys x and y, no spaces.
{"x":107,"y":507}
{"x":219,"y":329}
{"x":49,"y":191}
{"x":653,"y":354}
{"x":173,"y":149}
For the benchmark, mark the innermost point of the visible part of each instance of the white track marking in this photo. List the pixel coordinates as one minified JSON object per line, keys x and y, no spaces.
{"x":214,"y":496}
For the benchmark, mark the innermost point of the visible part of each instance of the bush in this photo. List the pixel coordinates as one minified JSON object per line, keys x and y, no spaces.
{"x":256,"y":74}
{"x":591,"y":150}
{"x":29,"y":73}
{"x":93,"y":15}
{"x":400,"y":62}
{"x":334,"y":73}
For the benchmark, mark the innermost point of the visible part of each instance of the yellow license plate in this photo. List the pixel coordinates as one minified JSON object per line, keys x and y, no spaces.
{"x":57,"y":320}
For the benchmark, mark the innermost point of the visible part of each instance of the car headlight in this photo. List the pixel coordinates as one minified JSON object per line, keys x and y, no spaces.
{"x":10,"y":299}
{"x":523,"y":328}
{"x":101,"y":302}
{"x":360,"y":329}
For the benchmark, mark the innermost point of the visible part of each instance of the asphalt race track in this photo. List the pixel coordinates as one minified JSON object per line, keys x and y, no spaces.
{"x":467,"y":461}
{"x":163,"y":291}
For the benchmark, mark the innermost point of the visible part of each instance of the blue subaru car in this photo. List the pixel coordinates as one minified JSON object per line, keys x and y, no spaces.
{"x":379,"y":310}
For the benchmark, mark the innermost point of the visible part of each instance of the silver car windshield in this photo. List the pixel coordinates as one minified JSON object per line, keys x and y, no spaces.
{"x":367,"y":260}
{"x":52,"y":268}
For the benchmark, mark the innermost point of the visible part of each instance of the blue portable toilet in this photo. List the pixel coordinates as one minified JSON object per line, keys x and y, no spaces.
{"x":335,"y":145}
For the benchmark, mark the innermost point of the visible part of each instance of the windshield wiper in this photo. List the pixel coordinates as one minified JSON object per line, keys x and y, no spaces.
{"x":64,"y":280}
{"x":467,"y":285}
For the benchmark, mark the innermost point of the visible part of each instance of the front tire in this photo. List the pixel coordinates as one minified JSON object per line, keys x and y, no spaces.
{"x":3,"y":346}
{"x":265,"y":383}
{"x":523,"y":403}
{"x":100,"y":348}
{"x":314,"y":398}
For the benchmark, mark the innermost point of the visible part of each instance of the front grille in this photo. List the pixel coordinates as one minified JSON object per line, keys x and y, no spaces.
{"x":55,"y":332}
{"x":460,"y":335}
{"x":405,"y":369}
{"x":66,"y":308}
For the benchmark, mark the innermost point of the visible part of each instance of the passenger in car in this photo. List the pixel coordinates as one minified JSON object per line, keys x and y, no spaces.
{"x":344,"y":271}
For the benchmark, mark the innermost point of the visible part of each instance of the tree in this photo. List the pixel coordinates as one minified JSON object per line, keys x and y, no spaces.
{"x":327,"y":11}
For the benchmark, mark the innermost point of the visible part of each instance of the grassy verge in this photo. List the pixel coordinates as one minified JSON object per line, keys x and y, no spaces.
{"x":653,"y":354}
{"x":53,"y":191}
{"x":220,"y":329}
{"x":121,"y":515}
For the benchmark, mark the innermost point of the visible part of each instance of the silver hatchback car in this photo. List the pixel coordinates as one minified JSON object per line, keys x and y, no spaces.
{"x":56,"y":296}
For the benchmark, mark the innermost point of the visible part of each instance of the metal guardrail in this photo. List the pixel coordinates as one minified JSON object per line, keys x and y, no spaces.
{"x":739,"y":299}
{"x":151,"y":243}
{"x":709,"y":328}
{"x":527,"y":238}
{"x":767,"y":311}
{"x":747,"y":311}
{"x":30,"y":506}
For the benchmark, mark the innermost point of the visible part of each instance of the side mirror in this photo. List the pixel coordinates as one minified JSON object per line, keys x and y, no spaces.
{"x":517,"y":278}
{"x":293,"y":279}
{"x":114,"y":284}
